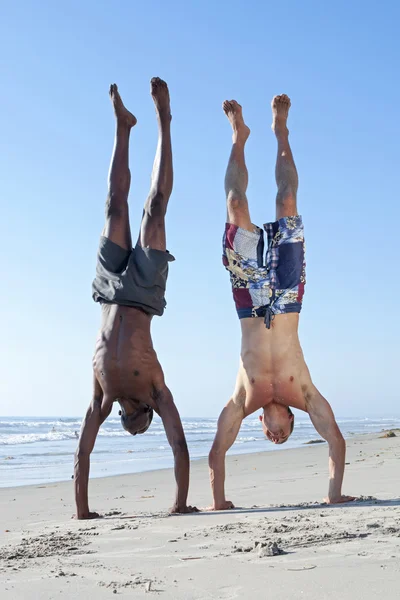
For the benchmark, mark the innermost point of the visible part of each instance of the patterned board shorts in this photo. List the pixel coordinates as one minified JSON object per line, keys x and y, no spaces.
{"x":276,"y":286}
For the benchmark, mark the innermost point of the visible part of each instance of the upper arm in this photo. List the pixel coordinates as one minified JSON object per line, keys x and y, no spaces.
{"x":95,"y":416}
{"x":322,"y":416}
{"x":229,"y":423}
{"x":169,"y":414}
{"x":89,"y":429}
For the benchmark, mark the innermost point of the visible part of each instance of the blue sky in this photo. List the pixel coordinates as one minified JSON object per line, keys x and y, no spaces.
{"x":339,"y":64}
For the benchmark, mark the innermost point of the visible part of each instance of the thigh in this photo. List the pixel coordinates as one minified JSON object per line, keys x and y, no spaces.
{"x":238,"y":214}
{"x":286,"y":204}
{"x":152,"y":232}
{"x":117,"y":227}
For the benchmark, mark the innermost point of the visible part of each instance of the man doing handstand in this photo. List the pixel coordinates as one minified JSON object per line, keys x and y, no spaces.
{"x":268,"y":292}
{"x":130,"y":286}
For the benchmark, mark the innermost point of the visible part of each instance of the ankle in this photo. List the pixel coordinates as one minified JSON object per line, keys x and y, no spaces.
{"x":124,"y":125}
{"x":281,"y":131}
{"x":239,"y":137}
{"x":164,"y":117}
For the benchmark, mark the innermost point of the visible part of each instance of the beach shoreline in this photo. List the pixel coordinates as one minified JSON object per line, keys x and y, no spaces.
{"x":120,"y":477}
{"x":41,"y":450}
{"x":279,"y":539}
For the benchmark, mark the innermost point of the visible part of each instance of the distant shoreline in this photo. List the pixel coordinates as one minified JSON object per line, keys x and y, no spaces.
{"x":40,"y":450}
{"x":203,"y":459}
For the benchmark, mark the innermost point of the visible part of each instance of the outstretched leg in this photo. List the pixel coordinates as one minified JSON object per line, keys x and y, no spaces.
{"x":117,"y":211}
{"x":152,"y":231}
{"x":285,"y":170}
{"x":237,"y":178}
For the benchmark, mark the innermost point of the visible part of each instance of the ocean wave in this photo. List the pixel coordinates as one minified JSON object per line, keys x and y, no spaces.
{"x":30,"y":438}
{"x":34,"y":424}
{"x":52,"y":436}
{"x":245,"y":440}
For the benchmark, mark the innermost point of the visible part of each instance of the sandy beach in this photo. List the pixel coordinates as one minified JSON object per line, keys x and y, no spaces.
{"x":280,"y":542}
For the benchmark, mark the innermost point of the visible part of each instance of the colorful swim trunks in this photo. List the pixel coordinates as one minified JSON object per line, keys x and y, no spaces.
{"x":276,"y":286}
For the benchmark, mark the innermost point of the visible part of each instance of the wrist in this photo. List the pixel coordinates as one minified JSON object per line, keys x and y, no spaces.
{"x":334,"y":494}
{"x":181,"y":500}
{"x":82,"y":511}
{"x":84,"y":514}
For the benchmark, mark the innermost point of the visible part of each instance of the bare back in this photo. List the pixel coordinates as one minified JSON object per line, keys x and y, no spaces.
{"x":272,"y":365}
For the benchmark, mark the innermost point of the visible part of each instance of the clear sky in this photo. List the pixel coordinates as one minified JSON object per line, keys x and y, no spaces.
{"x":338,"y":61}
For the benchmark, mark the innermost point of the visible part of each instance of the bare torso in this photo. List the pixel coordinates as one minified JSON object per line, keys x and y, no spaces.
{"x":272,"y":365}
{"x":125,"y":363}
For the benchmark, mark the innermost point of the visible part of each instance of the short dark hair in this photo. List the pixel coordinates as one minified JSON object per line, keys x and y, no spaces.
{"x":138,"y":421}
{"x":291,"y":415}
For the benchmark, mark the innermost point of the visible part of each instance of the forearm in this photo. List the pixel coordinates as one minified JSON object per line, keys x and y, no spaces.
{"x":81,"y":479}
{"x":182,"y":469}
{"x":337,"y":458}
{"x":216,"y":462}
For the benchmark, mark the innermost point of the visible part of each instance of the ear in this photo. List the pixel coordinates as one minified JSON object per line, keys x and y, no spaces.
{"x":291,"y":417}
{"x":260,"y":417}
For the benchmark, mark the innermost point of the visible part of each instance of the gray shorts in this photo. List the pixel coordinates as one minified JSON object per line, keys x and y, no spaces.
{"x":134,"y":277}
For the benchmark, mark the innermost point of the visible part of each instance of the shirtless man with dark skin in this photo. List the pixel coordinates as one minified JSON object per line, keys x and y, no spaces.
{"x":130,"y":285}
{"x":273,"y":375}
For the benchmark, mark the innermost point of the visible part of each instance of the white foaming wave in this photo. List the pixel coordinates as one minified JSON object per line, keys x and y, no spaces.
{"x":30,"y":438}
{"x":55,"y":423}
{"x":201,"y":425}
{"x":52,"y":436}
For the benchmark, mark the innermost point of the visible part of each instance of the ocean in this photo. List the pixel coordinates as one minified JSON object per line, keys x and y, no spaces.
{"x":37,"y":450}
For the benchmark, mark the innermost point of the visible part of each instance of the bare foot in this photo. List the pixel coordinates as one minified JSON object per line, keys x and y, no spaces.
{"x":233,"y":111}
{"x":160,"y":94}
{"x":226,"y":505}
{"x":340,"y":500}
{"x":124,"y":117}
{"x":280,"y":112}
{"x":183,"y":510}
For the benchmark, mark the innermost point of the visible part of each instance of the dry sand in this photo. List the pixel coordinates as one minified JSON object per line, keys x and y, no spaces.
{"x":281,"y":542}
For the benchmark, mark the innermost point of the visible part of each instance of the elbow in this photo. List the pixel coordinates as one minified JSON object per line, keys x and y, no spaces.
{"x":215,"y":456}
{"x":337,"y":440}
{"x":81,"y":454}
{"x":335,"y":435}
{"x":179,"y":447}
{"x":339,"y":437}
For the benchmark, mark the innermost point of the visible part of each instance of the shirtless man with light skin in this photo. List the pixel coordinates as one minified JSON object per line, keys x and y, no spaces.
{"x":268,"y":292}
{"x":130,"y":285}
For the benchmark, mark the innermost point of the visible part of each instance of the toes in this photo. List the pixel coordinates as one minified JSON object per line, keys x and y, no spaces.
{"x":114,"y":90}
{"x":281,"y":99}
{"x":231,"y":106}
{"x":157,"y":81}
{"x":158,"y":86}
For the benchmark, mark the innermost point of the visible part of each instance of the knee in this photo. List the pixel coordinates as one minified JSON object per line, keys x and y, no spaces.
{"x":215,"y":453}
{"x":116,"y":205}
{"x":156,"y":205}
{"x":236,"y":202}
